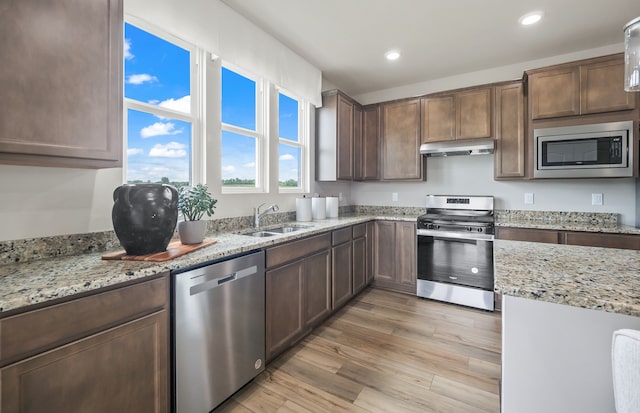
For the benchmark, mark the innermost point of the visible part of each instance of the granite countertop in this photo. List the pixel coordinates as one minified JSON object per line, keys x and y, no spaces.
{"x":603,"y":279}
{"x":570,"y":226}
{"x":34,"y":282}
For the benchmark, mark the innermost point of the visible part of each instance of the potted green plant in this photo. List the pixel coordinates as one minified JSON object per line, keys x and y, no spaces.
{"x":193,"y":203}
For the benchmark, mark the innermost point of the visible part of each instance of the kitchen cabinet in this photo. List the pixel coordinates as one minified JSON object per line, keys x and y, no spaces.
{"x":367,"y":153}
{"x":60,"y":108}
{"x":510,"y":153}
{"x":342,"y":267}
{"x":335,"y":125}
{"x":371,"y":232}
{"x":579,"y":88}
{"x":105,"y":352}
{"x":466,"y":114}
{"x":359,"y":258}
{"x":395,"y":256}
{"x":401,"y":159}
{"x":591,"y":239}
{"x":298,"y":290}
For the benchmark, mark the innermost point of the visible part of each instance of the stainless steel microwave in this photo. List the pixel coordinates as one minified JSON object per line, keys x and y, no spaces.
{"x":603,"y":150}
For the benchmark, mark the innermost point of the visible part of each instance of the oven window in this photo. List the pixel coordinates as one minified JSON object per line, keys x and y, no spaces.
{"x":453,"y":261}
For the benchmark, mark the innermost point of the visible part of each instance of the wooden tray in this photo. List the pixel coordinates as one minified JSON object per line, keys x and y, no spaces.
{"x":175,"y":249}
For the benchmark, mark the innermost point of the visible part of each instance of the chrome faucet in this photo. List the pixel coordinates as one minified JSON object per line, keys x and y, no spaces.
{"x":257,"y":214}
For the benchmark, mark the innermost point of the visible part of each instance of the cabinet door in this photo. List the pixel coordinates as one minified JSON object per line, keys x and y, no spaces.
{"x":124,"y":369}
{"x":358,"y":148}
{"x":401,"y":140}
{"x":509,"y":157}
{"x":342,"y":274}
{"x":371,"y":229}
{"x":284,"y":307}
{"x":61,"y":82}
{"x":317,"y":287}
{"x":385,"y":252}
{"x":407,"y":256}
{"x":474,"y":109}
{"x":370,"y":152}
{"x":359,"y":264}
{"x":345,"y":138}
{"x":528,"y":234}
{"x":602,"y":87}
{"x":555,"y":92}
{"x":438,"y":119}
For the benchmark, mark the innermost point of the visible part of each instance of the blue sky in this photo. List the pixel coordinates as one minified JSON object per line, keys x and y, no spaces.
{"x":157,"y":72}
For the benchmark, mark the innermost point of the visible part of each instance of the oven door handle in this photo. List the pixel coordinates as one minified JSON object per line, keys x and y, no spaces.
{"x":454,"y":235}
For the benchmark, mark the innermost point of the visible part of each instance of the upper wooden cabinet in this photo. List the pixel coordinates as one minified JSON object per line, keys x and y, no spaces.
{"x":335,"y":137}
{"x":61,"y":82}
{"x":367,"y":152}
{"x":401,"y":159}
{"x":509,"y":157}
{"x":579,"y":88}
{"x":466,"y":114}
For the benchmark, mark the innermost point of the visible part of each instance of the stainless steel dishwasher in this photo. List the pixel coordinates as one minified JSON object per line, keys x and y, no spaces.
{"x":218,"y":330}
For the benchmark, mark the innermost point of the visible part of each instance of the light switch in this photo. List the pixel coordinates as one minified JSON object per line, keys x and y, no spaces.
{"x":394,"y":196}
{"x":528,"y":198}
{"x":597,"y":199}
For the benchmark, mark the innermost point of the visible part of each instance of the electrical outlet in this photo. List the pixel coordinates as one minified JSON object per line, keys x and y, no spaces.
{"x":339,"y":196}
{"x":528,"y":198}
{"x":394,"y":196}
{"x":597,"y":199}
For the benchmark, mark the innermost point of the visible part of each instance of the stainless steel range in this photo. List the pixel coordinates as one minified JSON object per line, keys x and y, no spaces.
{"x":455,"y":250}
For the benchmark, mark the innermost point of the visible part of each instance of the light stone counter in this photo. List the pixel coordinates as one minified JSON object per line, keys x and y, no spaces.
{"x":604,"y":279}
{"x":24,"y":284}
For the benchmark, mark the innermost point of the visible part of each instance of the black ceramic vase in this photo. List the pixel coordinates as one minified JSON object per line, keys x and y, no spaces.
{"x":144,"y":217}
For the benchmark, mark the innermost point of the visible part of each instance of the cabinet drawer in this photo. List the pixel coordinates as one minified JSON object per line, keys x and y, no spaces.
{"x":297,"y":249}
{"x":340,"y":236}
{"x":359,"y":230}
{"x":629,"y":242}
{"x":527,"y":234}
{"x":36,"y":331}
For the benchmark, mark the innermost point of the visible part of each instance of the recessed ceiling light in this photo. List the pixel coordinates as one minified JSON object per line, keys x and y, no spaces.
{"x":392,"y":55}
{"x":530,"y":18}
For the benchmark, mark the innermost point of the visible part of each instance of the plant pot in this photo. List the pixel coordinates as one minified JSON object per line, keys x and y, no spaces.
{"x":192,"y":232}
{"x":144,"y":217}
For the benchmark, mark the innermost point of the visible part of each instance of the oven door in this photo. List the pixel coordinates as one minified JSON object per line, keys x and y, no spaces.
{"x":456,"y":267}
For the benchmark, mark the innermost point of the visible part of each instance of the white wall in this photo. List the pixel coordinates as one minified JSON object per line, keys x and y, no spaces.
{"x":473,"y":175}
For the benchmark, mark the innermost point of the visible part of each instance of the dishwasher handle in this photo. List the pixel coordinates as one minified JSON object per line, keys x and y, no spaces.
{"x":225,"y":279}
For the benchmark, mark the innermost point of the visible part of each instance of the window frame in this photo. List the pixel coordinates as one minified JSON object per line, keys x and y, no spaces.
{"x":196,"y":164}
{"x":260,"y":134}
{"x":302,"y":144}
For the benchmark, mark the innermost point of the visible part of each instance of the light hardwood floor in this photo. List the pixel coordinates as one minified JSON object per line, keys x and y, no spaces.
{"x":385,"y":352}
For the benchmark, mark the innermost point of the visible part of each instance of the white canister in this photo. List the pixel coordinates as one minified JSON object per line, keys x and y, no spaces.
{"x":303,"y":209}
{"x":332,"y":206}
{"x":318,"y":208}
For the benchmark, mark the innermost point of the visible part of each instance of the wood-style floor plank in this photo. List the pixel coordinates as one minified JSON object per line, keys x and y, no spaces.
{"x":385,"y":352}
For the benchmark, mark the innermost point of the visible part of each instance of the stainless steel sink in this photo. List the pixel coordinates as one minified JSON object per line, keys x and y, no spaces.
{"x":287,"y":228}
{"x":260,"y":234}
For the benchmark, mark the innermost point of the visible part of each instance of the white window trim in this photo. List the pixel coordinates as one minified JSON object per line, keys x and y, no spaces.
{"x":196,"y":173}
{"x":303,"y":144}
{"x":260,"y":134}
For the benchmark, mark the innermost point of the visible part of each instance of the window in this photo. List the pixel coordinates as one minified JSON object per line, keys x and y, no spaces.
{"x":242,"y":133}
{"x":158,"y":108}
{"x":291,"y":143}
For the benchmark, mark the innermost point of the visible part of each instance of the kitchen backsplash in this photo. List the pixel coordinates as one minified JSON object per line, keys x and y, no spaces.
{"x":603,"y":219}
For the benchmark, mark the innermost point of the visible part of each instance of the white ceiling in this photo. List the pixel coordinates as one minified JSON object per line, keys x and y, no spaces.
{"x":347,"y":39}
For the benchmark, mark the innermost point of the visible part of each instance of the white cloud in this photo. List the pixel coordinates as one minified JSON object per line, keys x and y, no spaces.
{"x":228,"y":168}
{"x":249,"y":165}
{"x":134,"y":151}
{"x":127,"y":50}
{"x":182,"y":104}
{"x":170,"y":150}
{"x":141,"y":78}
{"x":287,"y":157}
{"x":159,"y":129}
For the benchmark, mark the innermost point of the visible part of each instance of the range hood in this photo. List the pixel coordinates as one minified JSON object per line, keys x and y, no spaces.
{"x":465,"y":147}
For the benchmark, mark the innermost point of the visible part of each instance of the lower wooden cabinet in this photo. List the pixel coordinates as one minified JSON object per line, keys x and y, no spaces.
{"x":371,"y":234}
{"x":106,"y":352}
{"x":342,"y":268}
{"x":395,"y":256}
{"x":359,"y":264}
{"x":590,"y":239}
